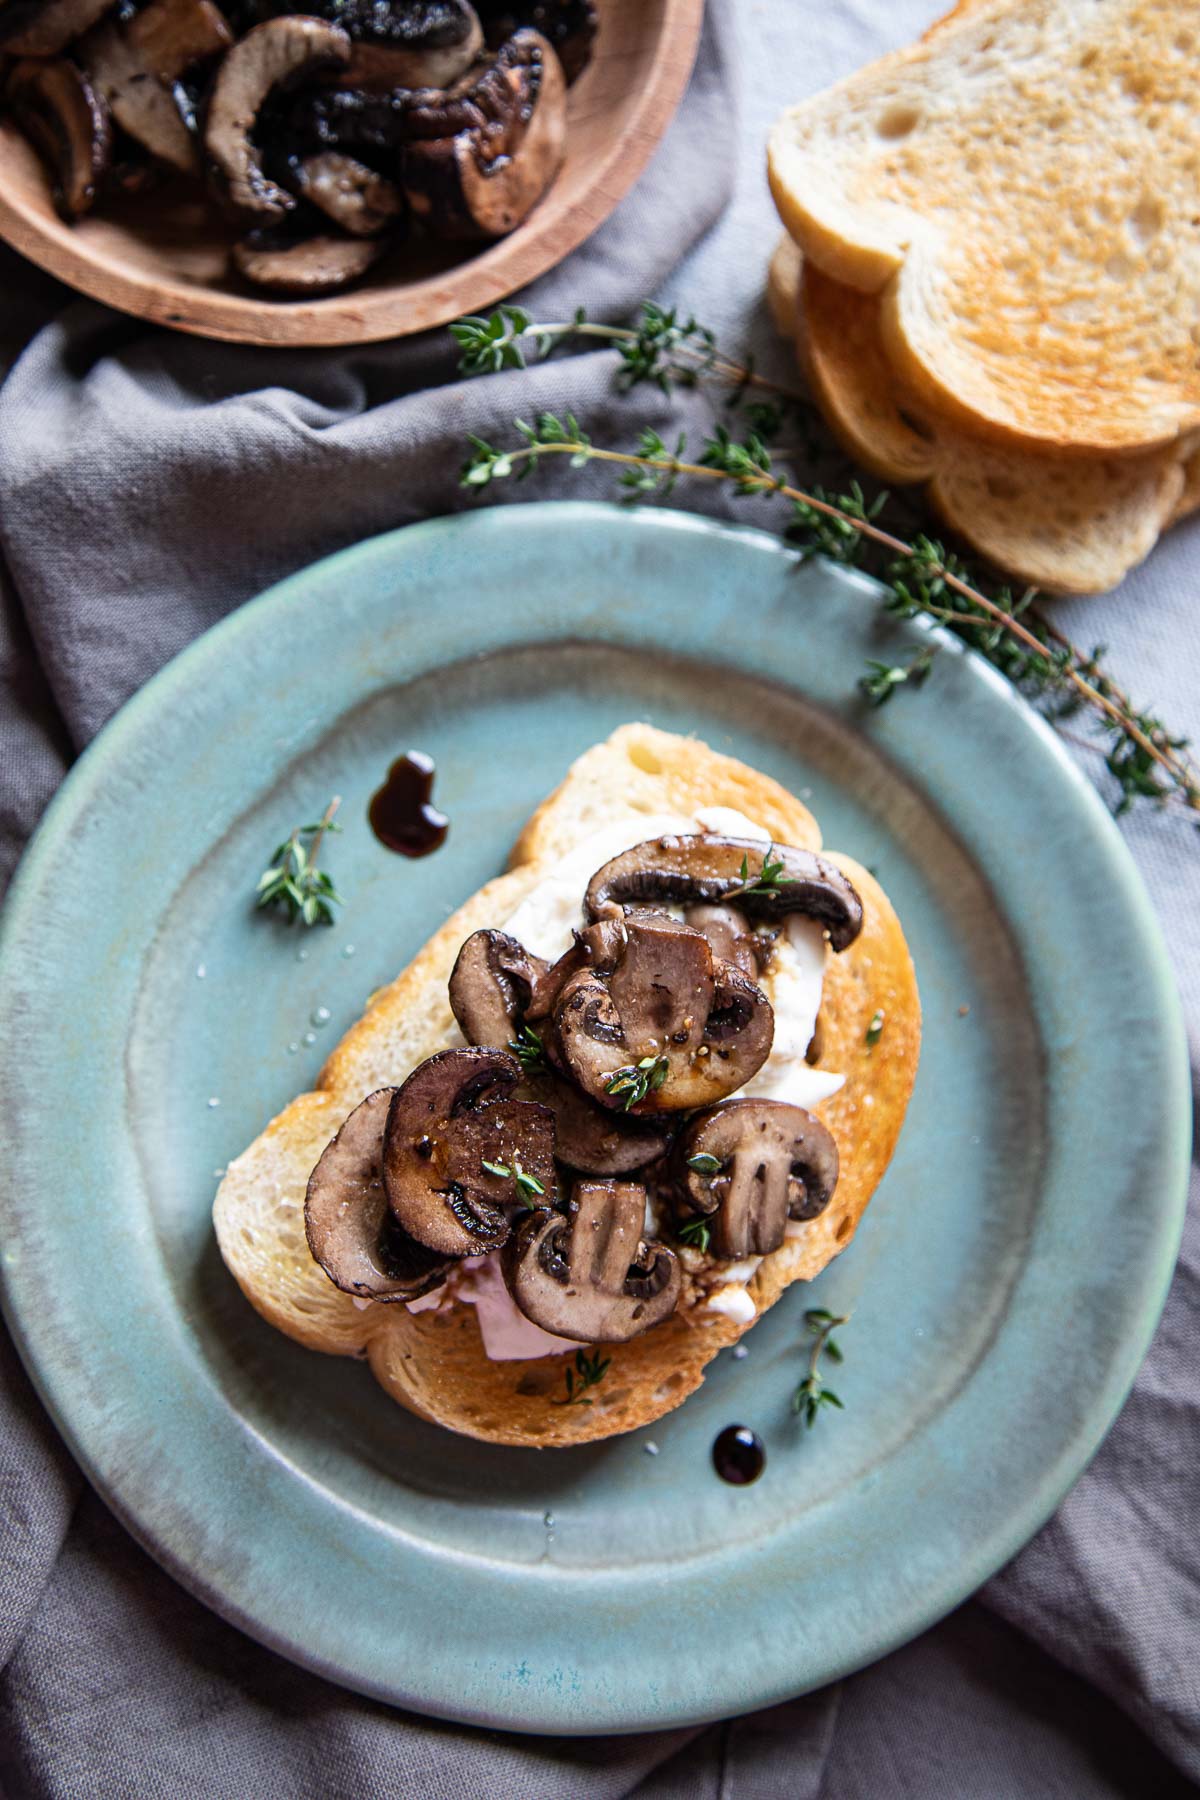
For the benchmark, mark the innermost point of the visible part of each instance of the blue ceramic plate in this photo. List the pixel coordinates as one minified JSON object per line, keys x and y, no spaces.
{"x":1004,"y":1285}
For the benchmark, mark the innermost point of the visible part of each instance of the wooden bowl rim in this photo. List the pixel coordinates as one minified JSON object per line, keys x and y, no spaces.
{"x":366,"y":316}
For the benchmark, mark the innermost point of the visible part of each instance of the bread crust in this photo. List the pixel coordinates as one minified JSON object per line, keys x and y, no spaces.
{"x":433,"y":1361}
{"x":1068,"y":525}
{"x":1016,"y":187}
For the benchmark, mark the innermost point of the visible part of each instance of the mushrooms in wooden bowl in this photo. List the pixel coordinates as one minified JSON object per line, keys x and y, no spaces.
{"x":352,"y":171}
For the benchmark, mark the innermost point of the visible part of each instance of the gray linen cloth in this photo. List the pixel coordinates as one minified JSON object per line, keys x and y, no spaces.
{"x":148,"y":485}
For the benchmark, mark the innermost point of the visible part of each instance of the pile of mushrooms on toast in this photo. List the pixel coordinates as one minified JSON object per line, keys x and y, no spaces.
{"x":325,"y":136}
{"x":593,"y":1106}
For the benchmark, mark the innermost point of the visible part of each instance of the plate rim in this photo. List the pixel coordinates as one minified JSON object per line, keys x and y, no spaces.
{"x":1154,"y":1280}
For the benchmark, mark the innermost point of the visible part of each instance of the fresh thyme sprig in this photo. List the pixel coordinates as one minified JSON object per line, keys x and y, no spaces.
{"x":882,"y":679}
{"x":528,"y":1187}
{"x":590,"y":1371}
{"x":697,"y":1233}
{"x":662,"y":347}
{"x":769,"y":879}
{"x":812,"y":1394}
{"x":294,"y":881}
{"x":529,"y":1051}
{"x":637,"y":1080}
{"x":922,"y":579}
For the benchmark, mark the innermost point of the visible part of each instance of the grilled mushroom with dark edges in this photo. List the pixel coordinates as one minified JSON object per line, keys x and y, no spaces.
{"x":768,"y":881}
{"x":594,"y":1140}
{"x":138,"y":66}
{"x":750,"y":1166}
{"x":354,"y":197}
{"x":666,"y":1028}
{"x":491,"y":986}
{"x":283,"y":50}
{"x":731,"y":937}
{"x":459,"y":1153}
{"x":491,"y":989}
{"x":44,"y":27}
{"x":591,"y":1273}
{"x":569,"y":26}
{"x":60,"y":112}
{"x":482,"y":181}
{"x":350,"y":1229}
{"x":406,"y":43}
{"x":306,"y":265}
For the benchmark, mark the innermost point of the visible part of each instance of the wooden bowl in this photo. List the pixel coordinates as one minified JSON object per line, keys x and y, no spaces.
{"x":164,"y":257}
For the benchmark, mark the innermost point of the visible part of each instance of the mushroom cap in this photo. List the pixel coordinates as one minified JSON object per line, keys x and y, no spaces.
{"x":410,"y":44}
{"x":665,"y":1028}
{"x":491,"y":985}
{"x":356,"y":198}
{"x":151,"y":111}
{"x":731,"y":938}
{"x":450,"y":1119}
{"x":568,"y":25}
{"x":773,"y":1162}
{"x":349,"y":1228}
{"x":312,"y":265}
{"x":481,"y":181}
{"x":44,"y":27}
{"x":699,"y":867}
{"x":589,"y":1273}
{"x":593,"y":1139}
{"x":169,"y":37}
{"x":281,"y":50}
{"x":57,"y":107}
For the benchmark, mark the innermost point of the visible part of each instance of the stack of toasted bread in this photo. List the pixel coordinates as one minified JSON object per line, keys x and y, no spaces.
{"x":992,"y":268}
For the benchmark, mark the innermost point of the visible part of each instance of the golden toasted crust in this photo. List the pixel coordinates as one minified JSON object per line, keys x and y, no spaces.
{"x":1018,"y":189}
{"x":1065,"y":524}
{"x":659,"y":772}
{"x":433,"y":1361}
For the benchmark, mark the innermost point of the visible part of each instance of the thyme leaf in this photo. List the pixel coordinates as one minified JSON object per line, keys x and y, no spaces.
{"x":529,"y":1050}
{"x":882,"y":679}
{"x":769,"y":880}
{"x":812,"y":1394}
{"x":588,"y":1372}
{"x":528,"y":1186}
{"x":875,"y":1029}
{"x":293,"y":881}
{"x":697,"y":1233}
{"x":637,"y":1080}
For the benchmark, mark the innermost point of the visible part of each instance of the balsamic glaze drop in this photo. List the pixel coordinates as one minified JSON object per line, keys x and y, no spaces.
{"x":738,"y":1455}
{"x":400,"y":813}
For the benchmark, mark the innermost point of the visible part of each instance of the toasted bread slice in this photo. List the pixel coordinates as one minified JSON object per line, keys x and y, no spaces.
{"x":1019,"y":189}
{"x":1068,"y":525}
{"x":433,"y":1361}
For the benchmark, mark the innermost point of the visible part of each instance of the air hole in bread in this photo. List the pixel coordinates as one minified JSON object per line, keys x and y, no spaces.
{"x":644,"y":759}
{"x":1137,"y":83}
{"x":1146,"y":220}
{"x":1000,"y":488}
{"x":899,"y":121}
{"x":1119,"y":267}
{"x":668,"y":1387}
{"x":844,"y":1228}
